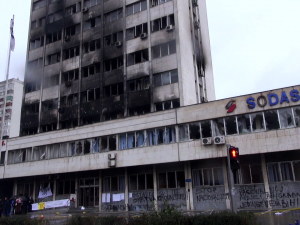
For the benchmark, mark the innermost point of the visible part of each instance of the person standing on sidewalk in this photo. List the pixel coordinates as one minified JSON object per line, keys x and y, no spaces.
{"x":6,"y":207}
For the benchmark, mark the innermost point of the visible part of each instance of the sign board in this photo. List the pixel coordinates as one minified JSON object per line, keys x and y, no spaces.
{"x":188,"y":180}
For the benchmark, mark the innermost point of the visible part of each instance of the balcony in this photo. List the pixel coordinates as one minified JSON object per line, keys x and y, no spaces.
{"x":138,"y":98}
{"x":49,"y":117}
{"x":68,"y":112}
{"x":113,"y":104}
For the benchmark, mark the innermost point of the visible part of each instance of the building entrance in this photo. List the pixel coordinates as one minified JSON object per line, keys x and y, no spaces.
{"x":89,"y":192}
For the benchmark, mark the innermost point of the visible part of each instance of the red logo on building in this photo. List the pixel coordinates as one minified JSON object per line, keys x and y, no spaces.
{"x":230,"y":106}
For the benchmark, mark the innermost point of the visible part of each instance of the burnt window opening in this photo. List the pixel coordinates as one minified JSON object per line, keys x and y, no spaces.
{"x":157,"y":2}
{"x":91,"y":46}
{"x":90,"y":120}
{"x":49,"y":105}
{"x":140,"y":182}
{"x":108,"y":143}
{"x":31,"y":109}
{"x":51,"y":81}
{"x":113,"y":15}
{"x":53,"y":58}
{"x":36,"y":43}
{"x":218,"y":127}
{"x":168,"y":77}
{"x":29,"y":131}
{"x":137,"y":57}
{"x":91,"y":70}
{"x":257,"y":122}
{"x":90,"y":3}
{"x":90,"y":95}
{"x":206,"y":130}
{"x":271,"y":119}
{"x":189,"y":131}
{"x":38,"y":23}
{"x":32,"y":86}
{"x":48,"y":127}
{"x":91,"y":23}
{"x":113,"y":64}
{"x":162,"y":23}
{"x":231,"y":125}
{"x":113,"y":38}
{"x":55,"y":16}
{"x":71,"y":53}
{"x":53,"y":37}
{"x":113,"y":90}
{"x":167,"y":105}
{"x":138,"y":84}
{"x":139,"y":110}
{"x":72,"y":30}
{"x":73,"y":9}
{"x":68,"y":124}
{"x":164,"y":49}
{"x":69,"y":100}
{"x":113,"y":115}
{"x":38,"y":4}
{"x":172,"y":179}
{"x":70,"y":75}
{"x":136,"y":7}
{"x":35,"y":64}
{"x":136,"y":31}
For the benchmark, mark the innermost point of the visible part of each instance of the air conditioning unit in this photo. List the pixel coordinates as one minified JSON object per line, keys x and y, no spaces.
{"x":49,"y":177}
{"x":118,"y":44}
{"x":195,"y":3}
{"x":56,"y":177}
{"x":219,"y":140}
{"x":85,"y":9}
{"x":112,"y":156}
{"x":197,"y":25}
{"x":68,"y":83}
{"x":143,"y":35}
{"x":169,"y":27}
{"x":206,"y":141}
{"x":67,"y":38}
{"x":112,"y":163}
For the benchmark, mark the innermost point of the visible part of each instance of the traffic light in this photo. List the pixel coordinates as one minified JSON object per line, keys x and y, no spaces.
{"x":234,"y":156}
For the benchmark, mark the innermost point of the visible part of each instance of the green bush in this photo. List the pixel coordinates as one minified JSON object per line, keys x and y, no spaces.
{"x":18,"y":220}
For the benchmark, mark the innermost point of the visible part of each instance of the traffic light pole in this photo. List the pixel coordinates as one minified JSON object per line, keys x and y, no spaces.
{"x":231,"y":182}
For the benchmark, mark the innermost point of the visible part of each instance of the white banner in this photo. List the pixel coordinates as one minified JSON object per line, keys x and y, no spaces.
{"x":45,"y":192}
{"x":51,"y":204}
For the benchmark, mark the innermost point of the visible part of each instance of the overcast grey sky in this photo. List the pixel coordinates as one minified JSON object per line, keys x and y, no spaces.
{"x":255,"y":43}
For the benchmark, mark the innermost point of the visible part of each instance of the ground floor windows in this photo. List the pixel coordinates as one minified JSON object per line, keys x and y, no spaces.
{"x":141,"y":182}
{"x":174,"y":179}
{"x":284,"y":171}
{"x":208,"y":177}
{"x":114,"y":183}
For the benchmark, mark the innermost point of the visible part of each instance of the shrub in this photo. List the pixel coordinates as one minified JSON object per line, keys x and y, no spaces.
{"x":18,"y":220}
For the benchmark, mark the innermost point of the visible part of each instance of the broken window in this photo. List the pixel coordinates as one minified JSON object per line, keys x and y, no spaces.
{"x":90,"y":95}
{"x":111,"y":39}
{"x":90,"y":3}
{"x":165,"y":78}
{"x":183,"y":132}
{"x":72,"y":30}
{"x":32,"y":86}
{"x":36,"y":43}
{"x":53,"y":37}
{"x":35,"y":64}
{"x":231,"y":125}
{"x":162,"y":23}
{"x":73,"y":9}
{"x":138,"y":84}
{"x":286,"y":118}
{"x":113,"y":64}
{"x":91,"y":23}
{"x":31,"y":109}
{"x":29,"y":131}
{"x":53,"y":58}
{"x":257,"y":122}
{"x":108,"y":143}
{"x":51,"y":81}
{"x":208,"y":177}
{"x":55,"y":16}
{"x":49,"y":105}
{"x":69,"y":100}
{"x":164,"y":49}
{"x":113,"y":15}
{"x":91,"y":70}
{"x":296,"y":112}
{"x":136,"y":7}
{"x":38,"y":4}
{"x":39,"y":153}
{"x":48,"y":127}
{"x":111,"y":184}
{"x":206,"y":130}
{"x":218,"y":125}
{"x":113,"y":90}
{"x":71,"y":53}
{"x":244,"y":124}
{"x":136,"y":31}
{"x":113,"y":115}
{"x":139,"y":110}
{"x":91,"y":46}
{"x":164,"y":135}
{"x":174,"y":179}
{"x":271,"y":119}
{"x":157,"y":2}
{"x":70,"y":75}
{"x":167,"y":105}
{"x":137,"y":57}
{"x":133,"y":140}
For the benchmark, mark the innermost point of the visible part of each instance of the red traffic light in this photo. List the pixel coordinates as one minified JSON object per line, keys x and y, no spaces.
{"x":234,"y":153}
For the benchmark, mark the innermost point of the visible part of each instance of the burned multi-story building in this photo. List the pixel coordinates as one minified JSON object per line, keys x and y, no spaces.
{"x":90,"y":61}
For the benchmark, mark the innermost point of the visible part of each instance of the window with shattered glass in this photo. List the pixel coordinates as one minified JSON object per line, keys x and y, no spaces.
{"x":257,"y":122}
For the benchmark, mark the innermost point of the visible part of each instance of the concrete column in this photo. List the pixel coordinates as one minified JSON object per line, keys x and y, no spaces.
{"x":155,"y":187}
{"x":100,"y":190}
{"x":34,"y":189}
{"x":224,"y":167}
{"x":188,"y":186}
{"x":76,"y":190}
{"x":15,"y":187}
{"x":265,"y":178}
{"x":54,"y":190}
{"x":126,"y":189}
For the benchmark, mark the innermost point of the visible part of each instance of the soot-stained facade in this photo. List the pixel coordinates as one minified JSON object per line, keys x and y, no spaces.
{"x":90,"y":61}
